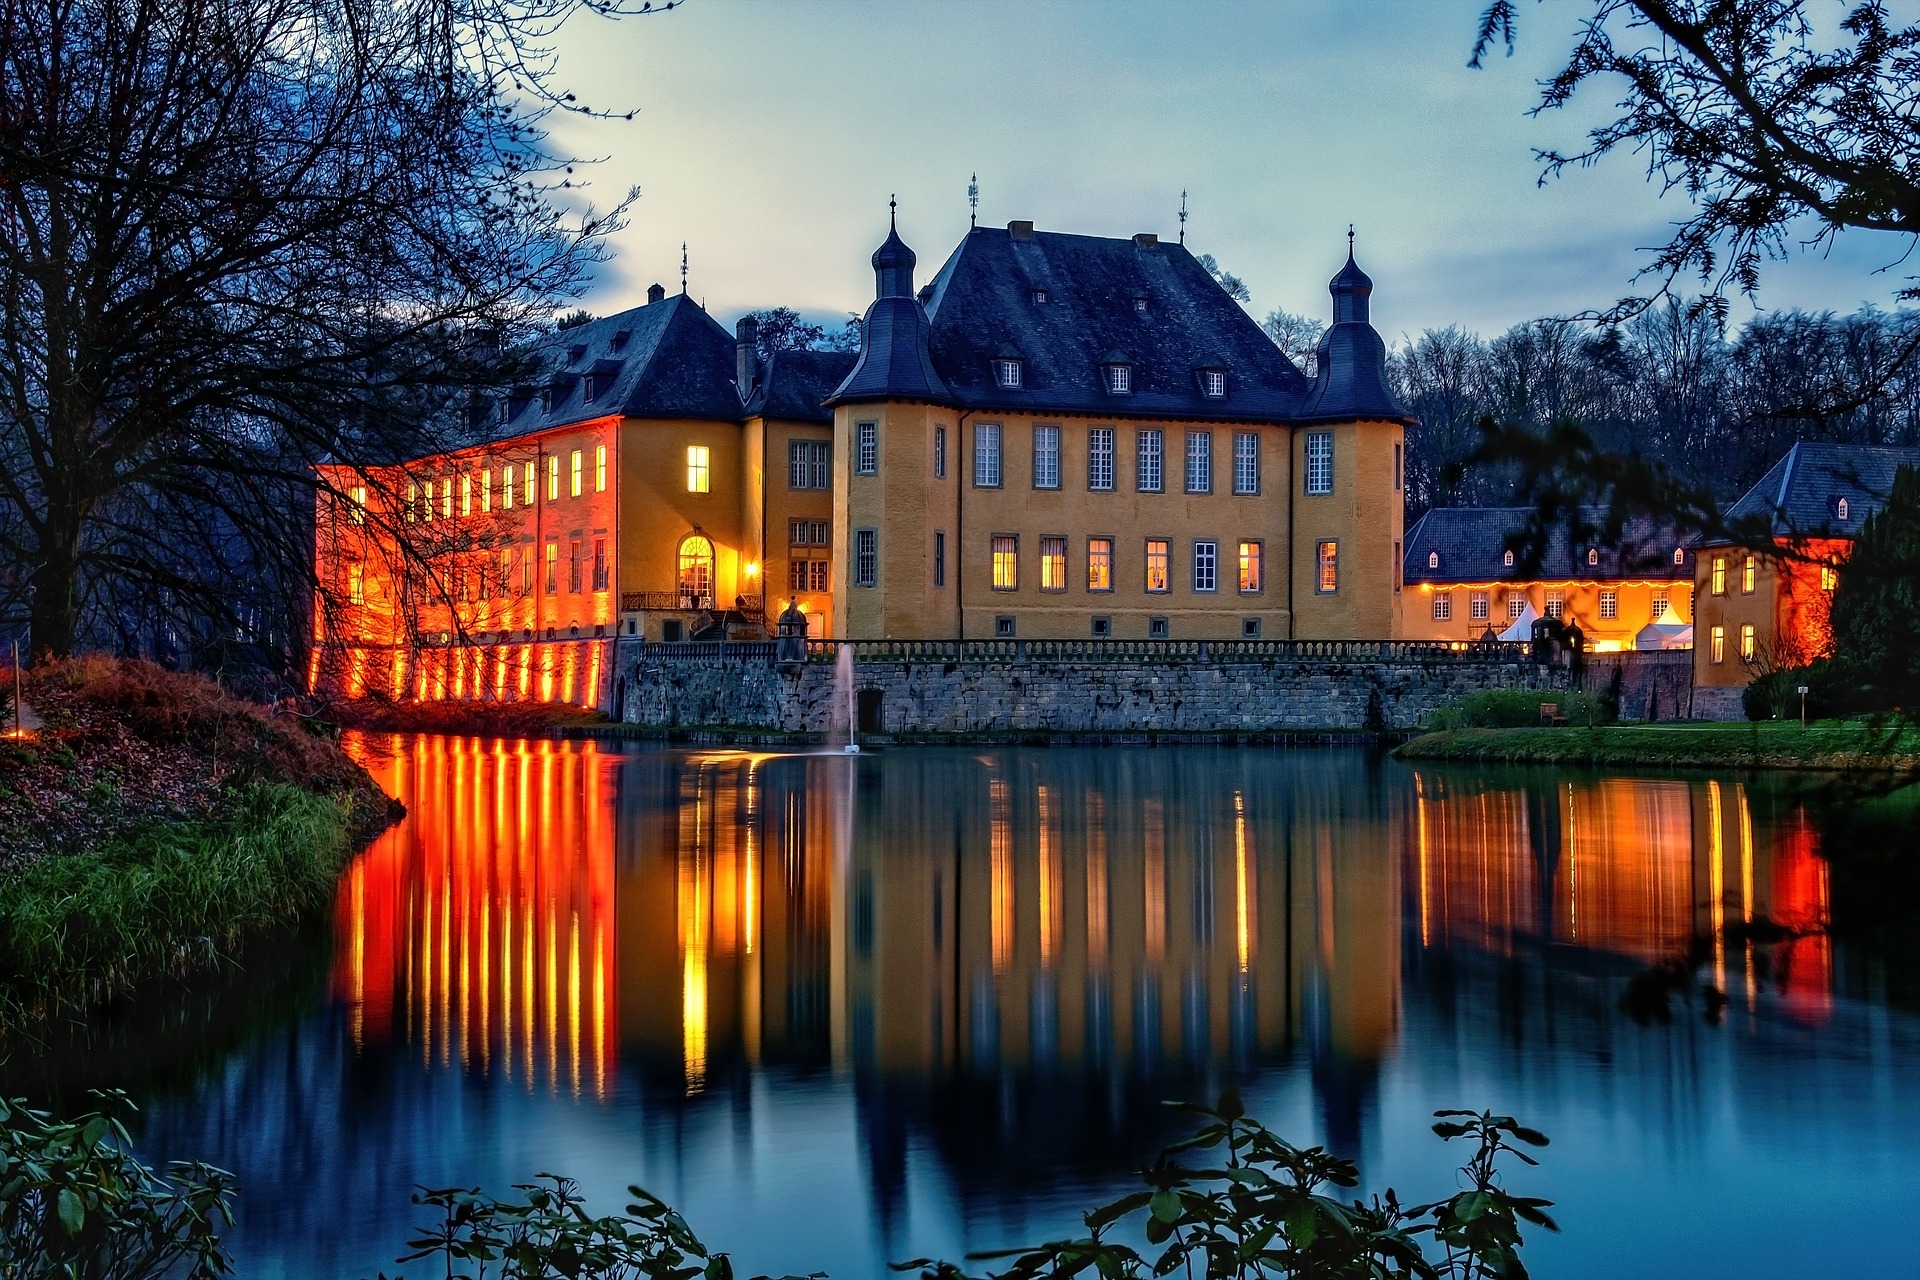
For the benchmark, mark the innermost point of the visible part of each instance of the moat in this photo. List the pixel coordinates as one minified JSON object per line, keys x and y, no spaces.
{"x":843,"y":1011}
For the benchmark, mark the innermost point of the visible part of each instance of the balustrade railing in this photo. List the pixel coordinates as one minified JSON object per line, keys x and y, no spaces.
{"x":1110,"y":651}
{"x":664,"y":601}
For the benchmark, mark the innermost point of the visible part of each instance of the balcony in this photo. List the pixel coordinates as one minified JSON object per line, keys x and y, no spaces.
{"x":664,"y":601}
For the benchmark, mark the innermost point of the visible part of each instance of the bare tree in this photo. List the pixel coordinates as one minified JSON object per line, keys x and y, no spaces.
{"x":1296,"y":336}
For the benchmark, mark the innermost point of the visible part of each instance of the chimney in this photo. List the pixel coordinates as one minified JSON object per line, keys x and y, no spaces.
{"x":1146,"y":239}
{"x":1020,"y":230}
{"x":656,"y":292}
{"x":746,"y":355}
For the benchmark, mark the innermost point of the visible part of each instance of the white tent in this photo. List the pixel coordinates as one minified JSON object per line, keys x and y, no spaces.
{"x":1668,"y":631}
{"x":1522,"y":628}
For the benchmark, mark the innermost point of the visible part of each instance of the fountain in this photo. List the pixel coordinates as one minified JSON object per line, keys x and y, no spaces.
{"x":843,"y":702}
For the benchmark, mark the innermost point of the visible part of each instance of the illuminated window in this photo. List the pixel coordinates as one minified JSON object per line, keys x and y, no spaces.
{"x":1250,"y":579}
{"x":413,"y":499}
{"x":486,"y":490}
{"x":553,"y":477}
{"x":986,"y":456}
{"x":1213,"y":383}
{"x":599,"y":468}
{"x":1206,"y":565}
{"x":1151,"y":452}
{"x":1099,"y":564}
{"x":1246,"y":462}
{"x":599,"y":564}
{"x":1516,"y":607}
{"x":1319,"y":462}
{"x":699,"y":479}
{"x":866,"y":557}
{"x":356,"y":583}
{"x":1006,"y":562}
{"x":1120,"y":379}
{"x":553,"y":567}
{"x":1556,"y":602}
{"x":507,"y":485}
{"x":1659,"y":603}
{"x":1719,"y":587}
{"x":1748,"y":572}
{"x":939,"y":453}
{"x":1828,"y":578}
{"x":1053,"y":564}
{"x":1199,"y":462}
{"x":1718,"y":646}
{"x":1746,"y":643}
{"x":446,"y":498}
{"x":527,"y":489}
{"x":696,"y":572}
{"x":1158,"y":578}
{"x":1046,"y":458}
{"x":939,"y":558}
{"x":1477,"y":606}
{"x":866,"y":448}
{"x":1442,"y":606}
{"x":1609,"y":603}
{"x":1327,"y":561}
{"x":574,"y":479}
{"x":466,"y":495}
{"x":1100,"y":459}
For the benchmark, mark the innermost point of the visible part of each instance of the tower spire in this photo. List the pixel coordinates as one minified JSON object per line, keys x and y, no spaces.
{"x":973,"y":200}
{"x":1349,"y":240}
{"x":1183,"y":217}
{"x":683,"y":266}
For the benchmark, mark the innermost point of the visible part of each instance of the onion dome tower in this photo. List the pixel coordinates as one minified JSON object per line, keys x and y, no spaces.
{"x":894,"y":363}
{"x":1350,"y":380}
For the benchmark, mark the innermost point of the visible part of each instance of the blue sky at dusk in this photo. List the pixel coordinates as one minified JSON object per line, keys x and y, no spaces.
{"x":769,"y":137}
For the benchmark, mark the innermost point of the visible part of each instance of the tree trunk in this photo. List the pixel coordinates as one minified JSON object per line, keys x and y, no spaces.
{"x":54,"y":604}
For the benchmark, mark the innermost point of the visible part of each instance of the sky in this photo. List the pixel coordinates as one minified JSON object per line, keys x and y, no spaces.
{"x":769,"y":137}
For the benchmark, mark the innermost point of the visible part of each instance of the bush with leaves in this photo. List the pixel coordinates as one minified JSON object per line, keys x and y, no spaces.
{"x":74,"y":1202}
{"x":1515,"y":709}
{"x":1265,"y":1210}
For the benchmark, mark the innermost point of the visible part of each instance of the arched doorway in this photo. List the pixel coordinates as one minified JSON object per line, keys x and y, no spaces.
{"x":696,"y":572}
{"x":870,"y":710}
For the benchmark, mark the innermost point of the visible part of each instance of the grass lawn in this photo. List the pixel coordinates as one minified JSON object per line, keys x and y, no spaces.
{"x":1776,"y":744}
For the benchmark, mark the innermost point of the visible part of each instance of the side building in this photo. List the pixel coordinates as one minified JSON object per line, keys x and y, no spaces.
{"x":1067,"y":436}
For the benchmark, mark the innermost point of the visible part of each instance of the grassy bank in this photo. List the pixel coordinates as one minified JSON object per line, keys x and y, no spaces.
{"x":1825,"y":745}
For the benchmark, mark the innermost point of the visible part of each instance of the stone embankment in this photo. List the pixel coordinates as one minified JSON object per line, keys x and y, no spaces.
{"x":1089,"y":689}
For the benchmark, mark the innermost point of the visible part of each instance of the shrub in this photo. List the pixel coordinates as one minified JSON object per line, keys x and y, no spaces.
{"x":1516,"y":709}
{"x":1775,"y":695}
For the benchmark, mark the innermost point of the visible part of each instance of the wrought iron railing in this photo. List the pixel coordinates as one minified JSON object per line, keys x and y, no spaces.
{"x":664,"y":601}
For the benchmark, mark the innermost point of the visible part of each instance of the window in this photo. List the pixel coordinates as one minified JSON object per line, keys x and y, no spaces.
{"x":866,"y":448}
{"x":1099,"y":564}
{"x":1006,"y":373}
{"x":1103,"y":628}
{"x":1718,"y":647}
{"x":356,"y":583}
{"x":1477,"y":607}
{"x":1556,"y":602}
{"x":1609,"y":603}
{"x":1157,"y":575}
{"x":809,"y":464}
{"x":1100,"y":459}
{"x":1003,"y":628}
{"x":466,"y":494}
{"x":1213,"y":383}
{"x":506,"y":573}
{"x":696,"y":572}
{"x":1206,"y":565}
{"x":486,"y":490}
{"x":507,"y":485}
{"x":1679,"y":555}
{"x":1747,"y":575}
{"x":939,"y":558}
{"x":600,"y":468}
{"x":1119,"y":379}
{"x":799,"y":532}
{"x":1746,"y":642}
{"x":1399,"y":466}
{"x":866,"y":557}
{"x":1719,"y":587}
{"x":1506,"y":558}
{"x":940,"y":453}
{"x":553,"y":567}
{"x":818,"y":574}
{"x":1006,"y":562}
{"x":1246,"y":462}
{"x":1659,"y":604}
{"x":1150,"y":453}
{"x":797,"y":574}
{"x":1433,"y":559}
{"x":1516,"y":607}
{"x":527,"y":494}
{"x":1443,"y":606}
{"x":1829,"y":579}
{"x":1840,"y":508}
{"x":599,"y":564}
{"x":1399,"y":563}
{"x":575,"y":477}
{"x":1593,"y":556}
{"x":986,"y":456}
{"x":1040,"y":296}
{"x":1250,"y":579}
{"x":413,"y":502}
{"x":822,"y":533}
{"x":573,"y":565}
{"x":1249,"y":628}
{"x":1053,"y":564}
{"x":1157,"y":629}
{"x":358,"y":512}
{"x":699,"y":473}
{"x":1319,"y":462}
{"x":553,"y":477}
{"x":1199,"y":462}
{"x":446,"y":498}
{"x":1327,"y":561}
{"x":1046,"y":457}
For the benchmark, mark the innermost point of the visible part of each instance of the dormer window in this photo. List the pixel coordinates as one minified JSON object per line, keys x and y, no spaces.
{"x":575,"y":353}
{"x":621,"y":339}
{"x":1679,"y":555}
{"x":1040,"y":296}
{"x":1507,"y":559}
{"x":1433,"y":559}
{"x":1119,"y":379}
{"x":1139,"y":304}
{"x":1213,"y":383}
{"x":1840,"y":508}
{"x":1006,"y":372}
{"x":1593,"y":556}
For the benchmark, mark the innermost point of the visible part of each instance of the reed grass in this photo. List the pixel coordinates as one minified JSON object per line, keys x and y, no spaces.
{"x":174,"y":897}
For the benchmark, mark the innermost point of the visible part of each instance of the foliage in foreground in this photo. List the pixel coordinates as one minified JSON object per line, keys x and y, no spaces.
{"x":86,"y":925}
{"x":74,"y":1203}
{"x":1515,"y":709}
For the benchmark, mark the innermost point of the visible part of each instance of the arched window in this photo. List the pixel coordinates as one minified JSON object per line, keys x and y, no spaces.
{"x":1679,"y":555}
{"x":1433,"y":559}
{"x":1840,"y":508}
{"x":1593,"y":555}
{"x":1507,"y":560}
{"x":696,"y":573}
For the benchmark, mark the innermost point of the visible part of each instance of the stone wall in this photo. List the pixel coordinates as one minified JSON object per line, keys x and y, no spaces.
{"x":1648,"y":685}
{"x":1063,"y":688}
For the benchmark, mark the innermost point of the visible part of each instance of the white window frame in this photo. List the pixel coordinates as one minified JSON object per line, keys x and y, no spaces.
{"x":1556,"y":603}
{"x":1100,"y":460}
{"x":939,"y":453}
{"x":1053,"y":549}
{"x":1246,"y":463}
{"x":1319,"y":468}
{"x":1150,"y":459}
{"x":1119,"y":379}
{"x":1442,"y":606}
{"x":1516,"y":606}
{"x":866,"y":557}
{"x":1258,"y":560}
{"x":986,"y":455}
{"x":1213,"y":384}
{"x":1007,"y":374}
{"x":866,"y":448}
{"x":1046,"y":457}
{"x":1609,"y":603}
{"x":1206,"y":565}
{"x":1479,"y":606}
{"x":1199,"y":462}
{"x":1007,"y":544}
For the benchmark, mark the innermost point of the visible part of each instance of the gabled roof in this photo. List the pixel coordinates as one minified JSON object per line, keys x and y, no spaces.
{"x":1799,"y":496}
{"x":1152,"y":302}
{"x":795,"y":384}
{"x":1472,"y":542}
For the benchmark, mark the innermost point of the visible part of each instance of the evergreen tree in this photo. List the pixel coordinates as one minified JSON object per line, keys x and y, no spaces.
{"x":1877,"y":602}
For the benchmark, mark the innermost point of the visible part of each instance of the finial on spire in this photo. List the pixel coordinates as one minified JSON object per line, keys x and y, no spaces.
{"x":1183,"y":217}
{"x":683,"y":266}
{"x":1349,"y":239}
{"x":973,"y":200}
{"x":893,"y":219}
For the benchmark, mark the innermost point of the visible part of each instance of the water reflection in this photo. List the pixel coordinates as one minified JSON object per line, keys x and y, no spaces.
{"x":843,"y":1010}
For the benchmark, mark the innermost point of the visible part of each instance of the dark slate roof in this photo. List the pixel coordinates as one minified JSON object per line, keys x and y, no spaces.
{"x":794,"y":385}
{"x":1351,"y":377}
{"x":1472,"y":542}
{"x":982,"y":300}
{"x":668,"y":359}
{"x":1799,"y":495}
{"x":893,"y":363}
